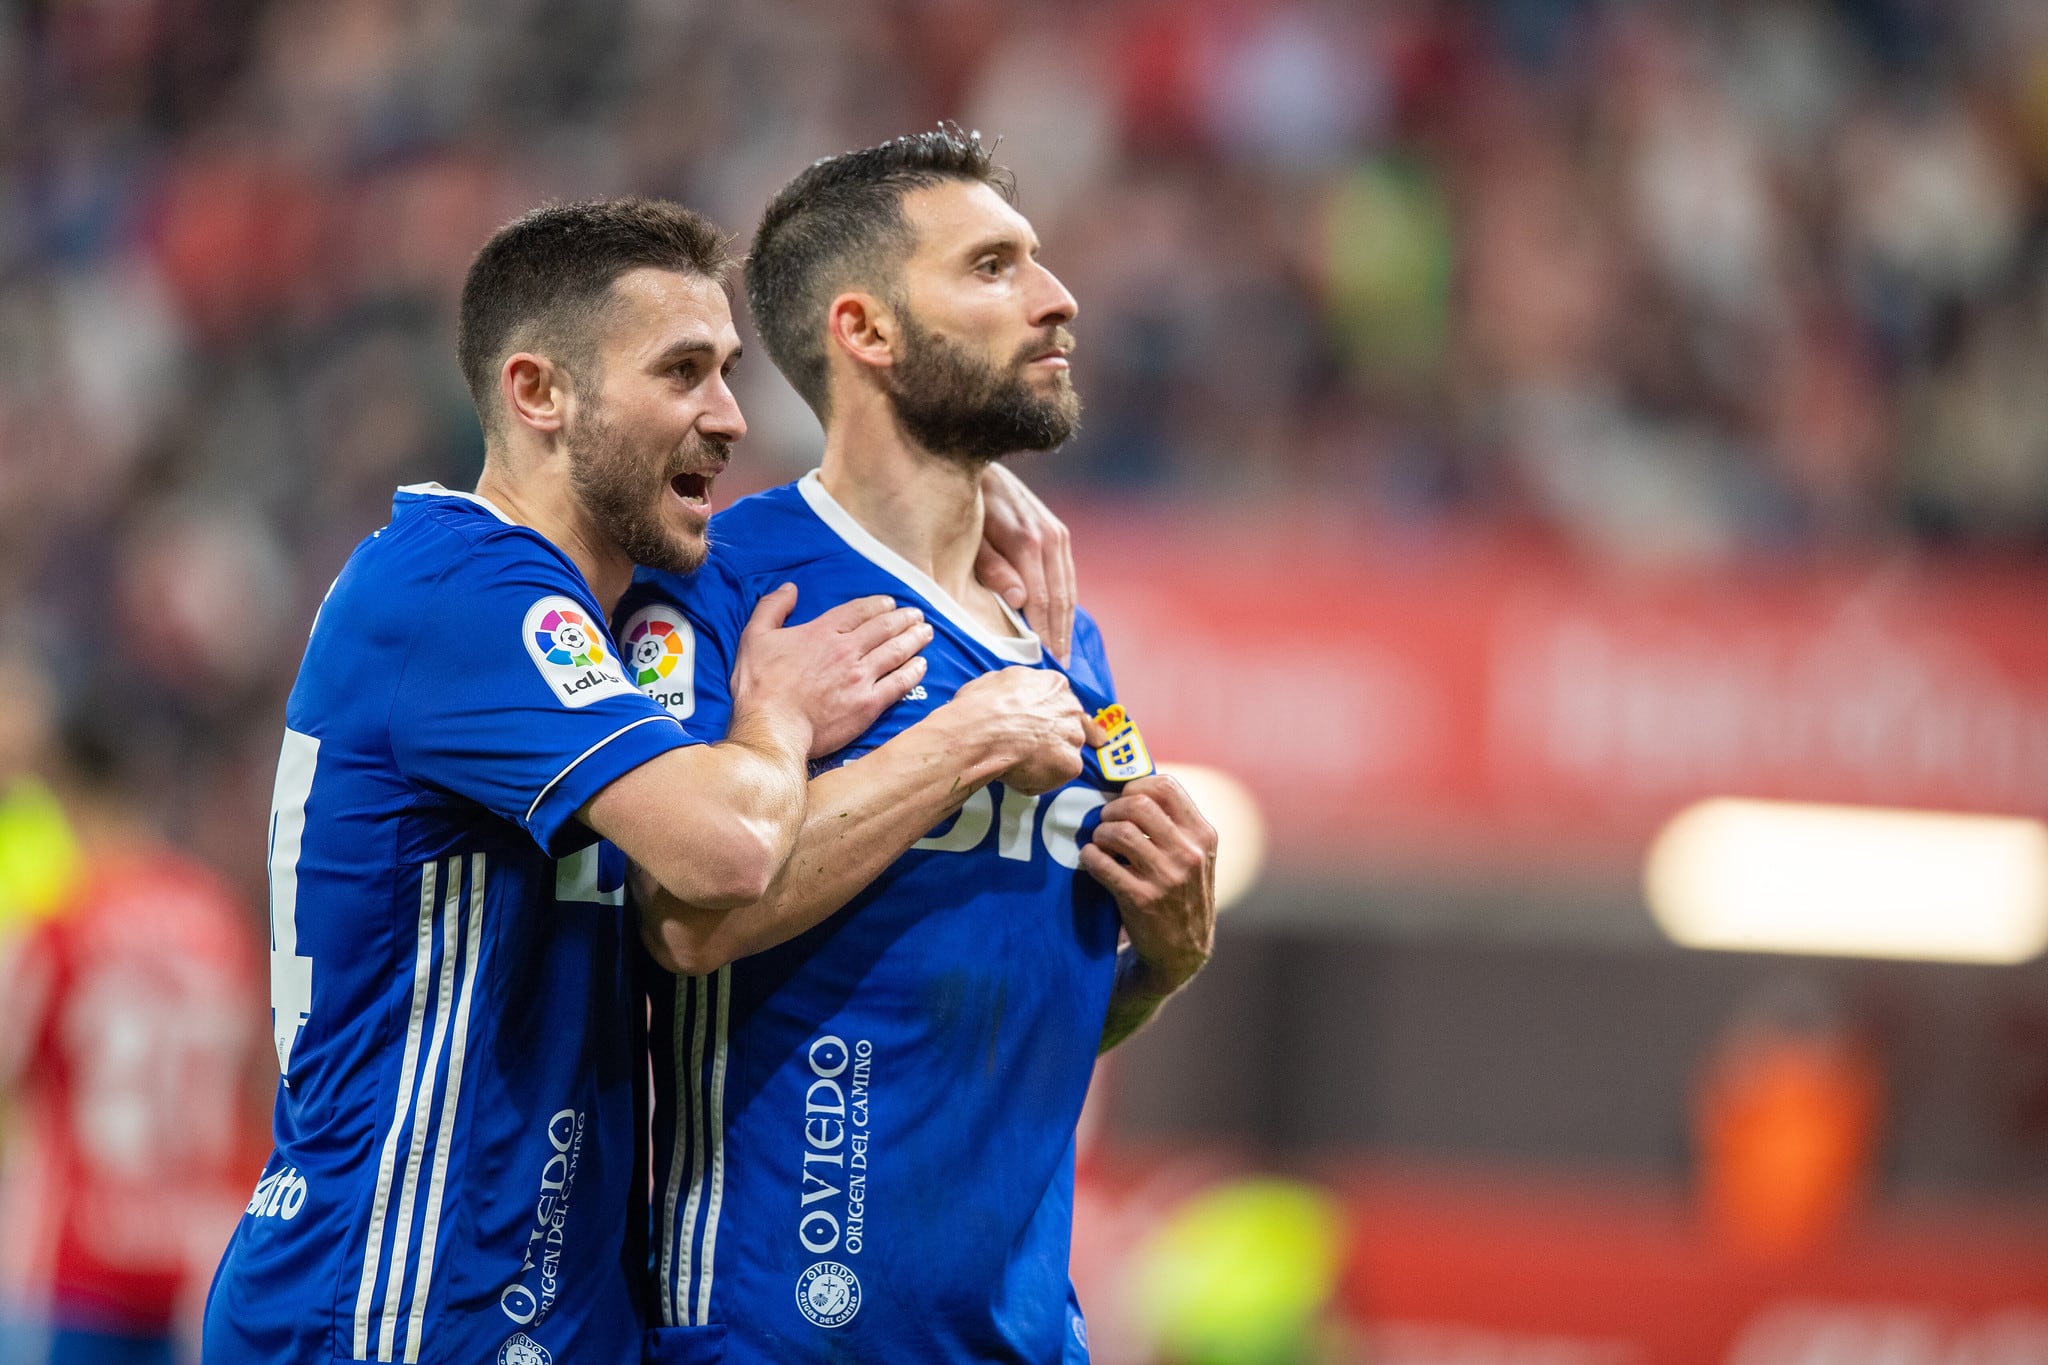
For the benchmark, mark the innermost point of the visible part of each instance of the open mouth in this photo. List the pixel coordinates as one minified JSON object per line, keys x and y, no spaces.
{"x":693,"y":488}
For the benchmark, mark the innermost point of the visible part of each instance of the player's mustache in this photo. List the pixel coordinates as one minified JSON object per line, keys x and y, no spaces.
{"x":1045,"y":341}
{"x":702,"y":454}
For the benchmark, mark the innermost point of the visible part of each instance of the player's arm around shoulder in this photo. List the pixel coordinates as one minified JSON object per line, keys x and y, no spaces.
{"x":711,"y":825}
{"x":1022,"y":726}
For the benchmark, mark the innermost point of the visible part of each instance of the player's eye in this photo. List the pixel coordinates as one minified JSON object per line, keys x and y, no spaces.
{"x":990,"y":266}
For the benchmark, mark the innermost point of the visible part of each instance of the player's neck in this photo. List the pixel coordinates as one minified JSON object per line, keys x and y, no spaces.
{"x":550,"y":506}
{"x":925,"y":507}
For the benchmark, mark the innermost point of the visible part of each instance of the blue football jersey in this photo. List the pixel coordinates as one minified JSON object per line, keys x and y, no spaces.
{"x":460,"y":1169}
{"x":864,"y":1138}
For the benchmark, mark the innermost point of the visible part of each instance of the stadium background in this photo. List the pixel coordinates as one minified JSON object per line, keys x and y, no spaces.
{"x":1507,"y":424}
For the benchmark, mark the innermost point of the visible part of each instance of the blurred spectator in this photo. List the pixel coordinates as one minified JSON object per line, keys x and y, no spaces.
{"x":39,"y":860}
{"x":129,"y":1022}
{"x":1243,"y":1273}
{"x":1787,"y":1121}
{"x":1650,"y":280}
{"x":1647,"y":281}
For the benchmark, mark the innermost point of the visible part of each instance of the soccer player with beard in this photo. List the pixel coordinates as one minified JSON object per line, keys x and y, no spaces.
{"x":460,"y":1168}
{"x":864,"y":1135}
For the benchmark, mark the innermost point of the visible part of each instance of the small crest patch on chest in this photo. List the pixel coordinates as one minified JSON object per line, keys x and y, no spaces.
{"x":1123,"y":756}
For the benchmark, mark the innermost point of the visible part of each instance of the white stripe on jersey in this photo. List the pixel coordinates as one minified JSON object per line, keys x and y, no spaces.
{"x":701,"y":1003}
{"x":444,"y":1135}
{"x":675,"y":1162}
{"x":717,"y":1150}
{"x":416,"y":1150}
{"x":556,"y":779}
{"x":373,"y":1248}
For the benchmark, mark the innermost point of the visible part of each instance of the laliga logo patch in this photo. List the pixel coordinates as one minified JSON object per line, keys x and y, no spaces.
{"x":828,"y":1294}
{"x":521,"y":1349}
{"x":661,"y":658}
{"x":564,"y":635}
{"x":1124,"y":757}
{"x":569,"y":650}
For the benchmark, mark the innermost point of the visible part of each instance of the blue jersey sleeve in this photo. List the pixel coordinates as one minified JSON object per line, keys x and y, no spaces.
{"x":680,"y":635}
{"x":512,"y":695}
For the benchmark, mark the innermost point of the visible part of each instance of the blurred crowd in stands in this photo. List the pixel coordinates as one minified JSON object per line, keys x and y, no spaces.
{"x":1654,"y":281}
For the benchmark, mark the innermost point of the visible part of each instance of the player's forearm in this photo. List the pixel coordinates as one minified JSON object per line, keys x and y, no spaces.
{"x":712,"y":824}
{"x":758,"y":783}
{"x":859,"y":819}
{"x":1139,"y":991}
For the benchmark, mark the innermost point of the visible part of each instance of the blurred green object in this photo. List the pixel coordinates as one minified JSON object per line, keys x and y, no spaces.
{"x":1388,"y":263}
{"x":1240,"y":1274}
{"x":39,"y":857}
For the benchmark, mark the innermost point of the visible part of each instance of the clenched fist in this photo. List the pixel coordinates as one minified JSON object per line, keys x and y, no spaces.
{"x":1034,"y":722}
{"x":1157,"y":855}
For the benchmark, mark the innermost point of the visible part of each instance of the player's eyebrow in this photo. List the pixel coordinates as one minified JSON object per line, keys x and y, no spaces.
{"x":690,"y":346}
{"x":1006,"y":241}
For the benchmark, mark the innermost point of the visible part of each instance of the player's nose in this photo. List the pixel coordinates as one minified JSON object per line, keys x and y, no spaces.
{"x":722,"y":416}
{"x":1051,"y":304}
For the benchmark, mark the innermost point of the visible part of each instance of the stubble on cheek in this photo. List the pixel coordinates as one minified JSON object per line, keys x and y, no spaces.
{"x":625,"y":491}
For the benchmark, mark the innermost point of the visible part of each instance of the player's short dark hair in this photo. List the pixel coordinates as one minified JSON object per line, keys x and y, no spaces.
{"x":839,"y":225}
{"x":543,"y":280}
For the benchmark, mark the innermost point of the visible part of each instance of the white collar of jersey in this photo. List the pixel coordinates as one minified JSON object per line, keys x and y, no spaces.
{"x":435,"y":490}
{"x":1022,"y":647}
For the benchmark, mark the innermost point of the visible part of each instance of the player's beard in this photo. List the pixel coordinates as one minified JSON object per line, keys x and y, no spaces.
{"x":953,"y":403}
{"x":624,"y":486}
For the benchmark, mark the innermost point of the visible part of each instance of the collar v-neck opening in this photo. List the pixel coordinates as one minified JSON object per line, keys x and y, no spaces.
{"x":1023,"y":648}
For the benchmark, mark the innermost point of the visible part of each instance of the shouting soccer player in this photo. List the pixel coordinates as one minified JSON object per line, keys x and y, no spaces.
{"x":864,"y":1136}
{"x":459,"y":1172}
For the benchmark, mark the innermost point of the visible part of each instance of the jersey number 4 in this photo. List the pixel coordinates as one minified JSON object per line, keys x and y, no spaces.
{"x":291,"y":976}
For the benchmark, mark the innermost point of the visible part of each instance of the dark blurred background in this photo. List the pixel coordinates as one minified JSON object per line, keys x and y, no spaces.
{"x":1507,"y":424}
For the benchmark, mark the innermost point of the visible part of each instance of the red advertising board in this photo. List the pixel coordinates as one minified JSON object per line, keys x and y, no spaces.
{"x":1486,"y":1267}
{"x":1387,"y":697}
{"x":1475,"y":1270}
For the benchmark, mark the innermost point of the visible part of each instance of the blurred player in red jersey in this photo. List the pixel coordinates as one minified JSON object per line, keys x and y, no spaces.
{"x":128,"y":1025}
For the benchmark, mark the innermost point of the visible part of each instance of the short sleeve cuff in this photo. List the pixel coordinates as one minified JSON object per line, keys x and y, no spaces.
{"x":552,"y":818}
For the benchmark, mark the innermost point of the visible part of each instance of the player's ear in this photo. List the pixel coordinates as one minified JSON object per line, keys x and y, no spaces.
{"x":862,"y":327}
{"x":535,"y":391}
